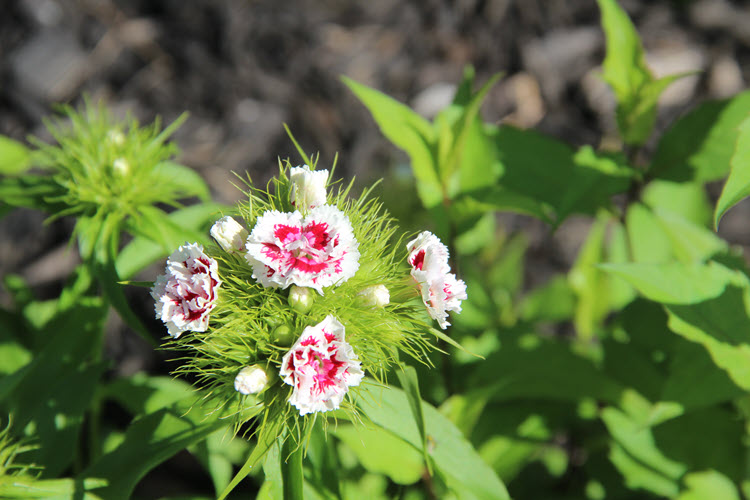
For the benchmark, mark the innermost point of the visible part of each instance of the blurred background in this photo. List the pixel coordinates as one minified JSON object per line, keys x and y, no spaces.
{"x":243,"y":68}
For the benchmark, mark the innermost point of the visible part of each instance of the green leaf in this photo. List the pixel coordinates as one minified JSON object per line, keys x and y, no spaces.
{"x":675,"y":283}
{"x":52,"y":393}
{"x":737,"y":186}
{"x":626,"y":72}
{"x":686,"y":199}
{"x":142,"y":251}
{"x":183,"y":181}
{"x":407,"y":377}
{"x":700,"y":145}
{"x":142,"y":394}
{"x":15,"y":158}
{"x":551,"y":173}
{"x":31,"y":191}
{"x":51,"y":489}
{"x":464,"y":472}
{"x":706,"y":427}
{"x":408,"y":131}
{"x":721,"y":324}
{"x":268,"y":436}
{"x":690,"y":243}
{"x":638,"y":457}
{"x":624,"y":64}
{"x":636,"y":118}
{"x":646,"y":238}
{"x":530,"y":366}
{"x":695,"y":381}
{"x":149,"y":441}
{"x":499,"y":199}
{"x":381,"y":452}
{"x":708,"y":484}
{"x":553,"y":301}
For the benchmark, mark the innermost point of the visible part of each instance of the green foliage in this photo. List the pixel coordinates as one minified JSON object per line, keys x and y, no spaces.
{"x":625,"y":374}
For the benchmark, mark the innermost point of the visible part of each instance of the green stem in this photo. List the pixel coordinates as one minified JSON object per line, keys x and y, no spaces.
{"x":291,"y":469}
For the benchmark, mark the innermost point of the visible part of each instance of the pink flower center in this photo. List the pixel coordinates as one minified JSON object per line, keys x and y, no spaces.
{"x":418,"y":260}
{"x":302,"y":248}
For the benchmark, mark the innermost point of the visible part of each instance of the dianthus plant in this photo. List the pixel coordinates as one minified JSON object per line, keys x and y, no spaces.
{"x":306,"y":293}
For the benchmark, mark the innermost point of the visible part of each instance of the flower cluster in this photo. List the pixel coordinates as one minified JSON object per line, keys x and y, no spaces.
{"x":313,"y":296}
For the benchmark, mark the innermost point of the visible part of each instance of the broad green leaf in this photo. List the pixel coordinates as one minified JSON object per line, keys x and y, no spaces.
{"x":154,"y":224}
{"x":499,"y":199}
{"x":531,"y":366}
{"x":706,"y":427}
{"x":708,"y":484}
{"x":700,"y":145}
{"x":463,"y":471}
{"x":381,"y":452}
{"x":737,"y":186}
{"x":141,"y":251}
{"x":695,"y":381}
{"x":675,"y":283}
{"x":551,"y":173}
{"x":15,"y":158}
{"x":53,"y":392}
{"x":721,"y":324}
{"x":183,"y":181}
{"x":690,"y":243}
{"x":638,"y":457}
{"x":142,"y":394}
{"x":553,"y":301}
{"x":686,"y":199}
{"x":408,"y":131}
{"x":149,"y":441}
{"x":646,"y":238}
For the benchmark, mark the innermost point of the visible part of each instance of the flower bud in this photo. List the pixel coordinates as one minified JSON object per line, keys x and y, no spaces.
{"x":229,"y":234}
{"x":282,"y":335}
{"x":375,"y":296}
{"x":121,"y":166}
{"x":116,"y":137}
{"x":301,"y":299}
{"x":251,"y":380}
{"x":308,"y":189}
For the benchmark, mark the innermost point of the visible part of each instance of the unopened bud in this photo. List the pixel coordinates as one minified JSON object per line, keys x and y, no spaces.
{"x":282,"y":335}
{"x":121,"y":166}
{"x":229,"y":234}
{"x":251,"y":380}
{"x":301,"y":299}
{"x":375,"y":296}
{"x":116,"y":137}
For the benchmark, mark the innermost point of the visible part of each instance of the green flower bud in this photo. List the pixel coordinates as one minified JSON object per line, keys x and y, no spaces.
{"x":283,"y":335}
{"x":301,"y":299}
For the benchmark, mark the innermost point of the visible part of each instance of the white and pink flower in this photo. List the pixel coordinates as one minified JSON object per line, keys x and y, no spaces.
{"x":321,"y":366}
{"x":316,"y":251}
{"x":186,"y":294}
{"x":441,"y":291}
{"x":308,"y":189}
{"x":428,"y":254}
